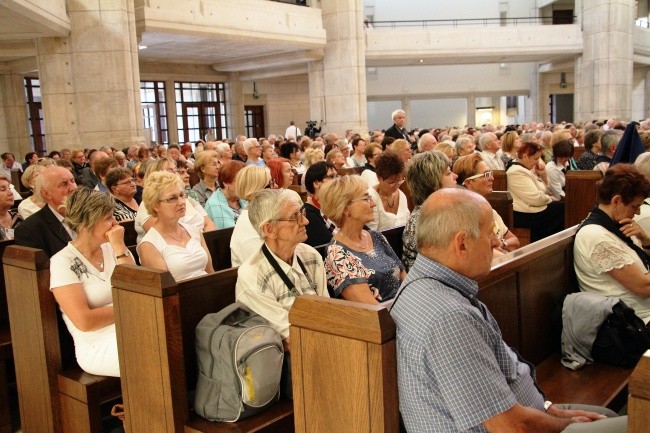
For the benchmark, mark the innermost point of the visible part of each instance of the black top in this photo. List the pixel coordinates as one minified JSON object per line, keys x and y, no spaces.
{"x":317,"y":231}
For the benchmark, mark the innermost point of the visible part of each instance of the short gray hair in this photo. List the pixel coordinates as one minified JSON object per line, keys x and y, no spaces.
{"x":610,"y":138}
{"x":486,"y":138}
{"x":267,"y":206}
{"x":394,"y":114}
{"x":460,"y":142}
{"x":424,"y":174}
{"x":436,"y":229}
{"x":249,"y":142}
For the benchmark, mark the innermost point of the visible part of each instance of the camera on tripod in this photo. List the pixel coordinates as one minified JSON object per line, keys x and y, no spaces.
{"x":311,"y":129}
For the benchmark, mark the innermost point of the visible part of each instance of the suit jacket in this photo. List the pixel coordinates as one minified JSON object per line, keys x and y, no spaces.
{"x":396,"y":133}
{"x":44,"y":231}
{"x":88,"y":178}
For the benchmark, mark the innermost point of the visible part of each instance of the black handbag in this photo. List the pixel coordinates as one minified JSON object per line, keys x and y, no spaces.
{"x":622,"y":338}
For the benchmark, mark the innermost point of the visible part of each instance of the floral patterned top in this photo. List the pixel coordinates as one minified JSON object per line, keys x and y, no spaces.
{"x":380,"y":268}
{"x":410,"y":246}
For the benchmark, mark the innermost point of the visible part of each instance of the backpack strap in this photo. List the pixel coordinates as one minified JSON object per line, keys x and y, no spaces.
{"x":279,"y":270}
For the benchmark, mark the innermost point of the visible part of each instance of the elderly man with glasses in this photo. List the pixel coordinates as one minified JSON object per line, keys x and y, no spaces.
{"x":283,"y":268}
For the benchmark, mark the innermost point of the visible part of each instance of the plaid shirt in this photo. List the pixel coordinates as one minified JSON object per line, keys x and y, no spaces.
{"x":262,"y":290}
{"x":454,"y":370}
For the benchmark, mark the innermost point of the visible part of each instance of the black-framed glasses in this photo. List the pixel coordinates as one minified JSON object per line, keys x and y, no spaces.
{"x":174,"y":199}
{"x":302,"y":213}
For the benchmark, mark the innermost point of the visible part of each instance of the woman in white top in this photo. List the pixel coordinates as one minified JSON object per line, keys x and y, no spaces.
{"x":80,"y":279}
{"x":562,"y":153}
{"x":392,"y":208}
{"x":171,"y":244}
{"x":245,"y":240}
{"x":474,"y":174}
{"x":533,"y":206}
{"x":195,"y":215}
{"x":34,"y":202}
{"x":608,"y":251}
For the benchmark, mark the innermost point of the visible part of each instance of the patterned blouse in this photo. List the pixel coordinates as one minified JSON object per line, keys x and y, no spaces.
{"x":380,"y":268}
{"x":122,"y":212}
{"x":410,"y":246}
{"x":8,"y":233}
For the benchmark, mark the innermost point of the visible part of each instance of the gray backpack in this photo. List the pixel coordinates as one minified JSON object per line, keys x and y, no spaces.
{"x":239,"y":360}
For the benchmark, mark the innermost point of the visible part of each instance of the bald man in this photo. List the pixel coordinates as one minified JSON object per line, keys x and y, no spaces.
{"x":455,"y":373}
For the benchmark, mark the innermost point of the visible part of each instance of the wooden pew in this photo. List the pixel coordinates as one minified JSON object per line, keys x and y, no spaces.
{"x":55,"y":395}
{"x":394,"y":238}
{"x":218,"y":243}
{"x":6,"y":353}
{"x":639,"y":401}
{"x":501,"y":202}
{"x":155,"y":319}
{"x":581,"y":192}
{"x":364,"y":338}
{"x":500,"y":180}
{"x":349,"y":170}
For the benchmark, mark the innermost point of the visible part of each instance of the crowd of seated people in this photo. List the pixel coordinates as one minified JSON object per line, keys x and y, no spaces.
{"x":344,"y":215}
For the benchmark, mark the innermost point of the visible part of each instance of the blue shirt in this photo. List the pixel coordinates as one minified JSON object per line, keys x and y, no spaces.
{"x":454,"y":370}
{"x":220,"y":212}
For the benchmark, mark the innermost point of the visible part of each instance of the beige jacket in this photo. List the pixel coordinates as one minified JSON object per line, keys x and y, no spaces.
{"x":527,"y":190}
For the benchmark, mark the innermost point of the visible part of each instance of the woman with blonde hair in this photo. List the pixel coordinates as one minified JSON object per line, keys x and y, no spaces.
{"x":360,"y":264}
{"x":474,"y":174}
{"x":171,"y":244}
{"x":245,"y":240}
{"x":80,"y":279}
{"x":207,"y":168}
{"x":34,"y":202}
{"x":195,"y":215}
{"x":510,"y":144}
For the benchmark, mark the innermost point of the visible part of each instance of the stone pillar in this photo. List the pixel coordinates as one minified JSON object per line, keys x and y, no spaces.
{"x":170,"y":108}
{"x":606,"y":67}
{"x":471,"y":110}
{"x":532,"y":102}
{"x":14,"y":131}
{"x":405,"y":102}
{"x":337,"y":84}
{"x":647,"y":94}
{"x":235,"y":106}
{"x":90,"y":81}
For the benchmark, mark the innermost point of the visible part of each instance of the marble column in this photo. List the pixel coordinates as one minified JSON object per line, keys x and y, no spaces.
{"x":532,"y":101}
{"x":14,"y":130}
{"x":604,"y":87}
{"x":90,"y":81}
{"x":471,"y":110}
{"x":337,"y":84}
{"x":235,"y":106}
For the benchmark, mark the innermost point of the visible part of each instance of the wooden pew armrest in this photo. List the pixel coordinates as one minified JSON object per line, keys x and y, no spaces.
{"x":87,"y":387}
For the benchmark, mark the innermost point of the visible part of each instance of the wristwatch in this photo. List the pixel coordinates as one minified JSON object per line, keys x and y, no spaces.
{"x":547,"y":404}
{"x":126,"y":253}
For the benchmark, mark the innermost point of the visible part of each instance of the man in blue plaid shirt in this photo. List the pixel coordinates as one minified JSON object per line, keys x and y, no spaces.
{"x":455,"y":372}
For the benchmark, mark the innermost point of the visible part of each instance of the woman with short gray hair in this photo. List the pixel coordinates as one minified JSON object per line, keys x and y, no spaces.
{"x":426,"y":173}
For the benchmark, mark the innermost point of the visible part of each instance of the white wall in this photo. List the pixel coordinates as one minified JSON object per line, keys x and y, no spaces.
{"x":391,"y":10}
{"x":640,"y":106}
{"x":435,"y":113}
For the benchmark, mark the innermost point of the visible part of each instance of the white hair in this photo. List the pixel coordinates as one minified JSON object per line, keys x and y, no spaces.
{"x":396,"y":112}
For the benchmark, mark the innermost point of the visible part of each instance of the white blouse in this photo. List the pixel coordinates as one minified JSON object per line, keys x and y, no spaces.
{"x":386,"y":220}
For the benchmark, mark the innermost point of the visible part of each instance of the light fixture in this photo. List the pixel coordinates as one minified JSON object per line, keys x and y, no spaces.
{"x":142,"y":47}
{"x":256,"y":94}
{"x":563,"y":83}
{"x":421,"y":61}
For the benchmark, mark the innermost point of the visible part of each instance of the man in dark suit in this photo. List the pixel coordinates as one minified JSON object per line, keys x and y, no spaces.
{"x":397,"y":131}
{"x":88,"y":176}
{"x":44,"y":229}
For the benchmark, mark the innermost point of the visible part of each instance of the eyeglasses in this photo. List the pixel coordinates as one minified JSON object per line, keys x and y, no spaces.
{"x":302,"y":213}
{"x":174,"y":199}
{"x":398,"y":183}
{"x":126,"y":182}
{"x":486,"y":175}
{"x":365,"y":197}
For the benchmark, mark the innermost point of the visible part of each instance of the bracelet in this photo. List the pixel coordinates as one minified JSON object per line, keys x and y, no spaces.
{"x":504,"y":244}
{"x":126,"y":253}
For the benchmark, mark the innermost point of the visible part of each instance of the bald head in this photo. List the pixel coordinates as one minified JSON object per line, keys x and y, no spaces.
{"x":57,"y":183}
{"x":456,"y":229}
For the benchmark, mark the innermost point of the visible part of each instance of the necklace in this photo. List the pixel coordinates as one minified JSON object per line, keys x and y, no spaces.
{"x":389,"y":199}
{"x":180,"y":241}
{"x":360,"y":245}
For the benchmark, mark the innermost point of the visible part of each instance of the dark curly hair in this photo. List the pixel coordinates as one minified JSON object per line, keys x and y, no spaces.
{"x":624,"y":180}
{"x":388,"y":164}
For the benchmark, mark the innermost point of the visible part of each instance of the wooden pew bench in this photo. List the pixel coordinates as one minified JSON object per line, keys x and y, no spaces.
{"x":155,"y":319}
{"x":6,"y":352}
{"x":520,"y":292}
{"x":55,"y":395}
{"x":639,"y":400}
{"x":581,"y":195}
{"x":218,"y":243}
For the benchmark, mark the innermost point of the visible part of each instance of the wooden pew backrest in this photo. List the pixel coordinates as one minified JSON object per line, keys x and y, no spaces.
{"x":343,"y":348}
{"x":500,"y":180}
{"x":639,"y":400}
{"x":501,"y":202}
{"x":218,"y":243}
{"x":581,"y":191}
